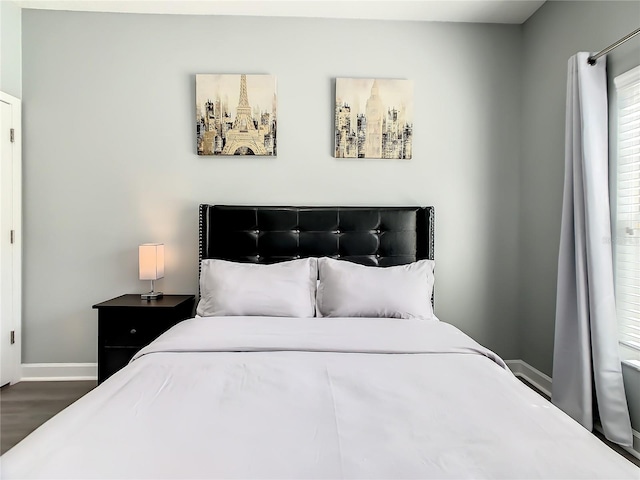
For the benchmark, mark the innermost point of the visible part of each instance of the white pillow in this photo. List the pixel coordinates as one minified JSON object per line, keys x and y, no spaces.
{"x":285,"y":289}
{"x":350,"y":290}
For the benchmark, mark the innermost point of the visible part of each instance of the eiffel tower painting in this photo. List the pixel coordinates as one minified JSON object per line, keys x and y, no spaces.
{"x":236,"y":115}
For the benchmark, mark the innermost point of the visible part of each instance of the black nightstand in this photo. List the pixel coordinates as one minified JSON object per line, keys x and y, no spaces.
{"x":128,"y":323}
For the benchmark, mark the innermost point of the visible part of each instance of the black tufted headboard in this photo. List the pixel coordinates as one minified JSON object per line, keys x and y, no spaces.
{"x":380,"y":236}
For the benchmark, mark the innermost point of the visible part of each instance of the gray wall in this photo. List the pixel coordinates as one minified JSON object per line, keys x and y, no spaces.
{"x":10,"y":48}
{"x":109,"y":154}
{"x":556,"y":31}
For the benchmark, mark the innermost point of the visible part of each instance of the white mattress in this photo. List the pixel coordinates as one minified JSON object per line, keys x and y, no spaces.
{"x":258,"y":397}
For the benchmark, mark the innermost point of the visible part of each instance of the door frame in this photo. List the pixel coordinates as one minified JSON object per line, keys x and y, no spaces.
{"x":16,"y":321}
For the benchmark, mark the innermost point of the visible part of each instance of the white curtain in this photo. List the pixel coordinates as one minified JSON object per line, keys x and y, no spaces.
{"x":587,"y":374}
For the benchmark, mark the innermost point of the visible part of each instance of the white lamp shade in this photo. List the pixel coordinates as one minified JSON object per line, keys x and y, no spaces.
{"x":151,"y":259}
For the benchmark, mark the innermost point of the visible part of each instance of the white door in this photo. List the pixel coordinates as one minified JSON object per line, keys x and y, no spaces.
{"x":6,"y":247}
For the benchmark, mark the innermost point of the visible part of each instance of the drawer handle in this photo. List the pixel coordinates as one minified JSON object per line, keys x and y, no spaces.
{"x":133,"y":331}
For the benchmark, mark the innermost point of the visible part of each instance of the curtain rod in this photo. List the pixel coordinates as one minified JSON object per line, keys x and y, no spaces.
{"x":592,"y":59}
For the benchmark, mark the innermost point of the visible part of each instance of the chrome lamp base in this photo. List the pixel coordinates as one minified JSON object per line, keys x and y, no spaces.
{"x":151,"y":295}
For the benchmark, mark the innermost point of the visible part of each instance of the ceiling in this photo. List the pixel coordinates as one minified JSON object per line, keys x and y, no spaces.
{"x":475,"y":11}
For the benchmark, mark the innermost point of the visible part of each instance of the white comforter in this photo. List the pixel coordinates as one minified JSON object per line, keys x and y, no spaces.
{"x":256,"y":397}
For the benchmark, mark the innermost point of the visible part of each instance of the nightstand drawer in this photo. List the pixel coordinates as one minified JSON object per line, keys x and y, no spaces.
{"x":134,"y":332}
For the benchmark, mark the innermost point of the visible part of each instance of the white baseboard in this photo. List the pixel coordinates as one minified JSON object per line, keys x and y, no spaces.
{"x":38,"y":372}
{"x":535,"y":377}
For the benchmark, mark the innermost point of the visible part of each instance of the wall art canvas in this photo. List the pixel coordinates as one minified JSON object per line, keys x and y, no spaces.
{"x":236,"y":115}
{"x":373,"y":118}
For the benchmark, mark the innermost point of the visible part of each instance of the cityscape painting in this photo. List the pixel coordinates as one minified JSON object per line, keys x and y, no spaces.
{"x":236,"y":115}
{"x":373,"y":118}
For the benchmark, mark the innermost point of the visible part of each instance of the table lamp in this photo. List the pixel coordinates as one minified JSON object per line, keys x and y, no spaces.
{"x":151,"y":260}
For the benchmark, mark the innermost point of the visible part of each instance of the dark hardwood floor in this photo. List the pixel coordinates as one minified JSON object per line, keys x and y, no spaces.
{"x":27,"y":405}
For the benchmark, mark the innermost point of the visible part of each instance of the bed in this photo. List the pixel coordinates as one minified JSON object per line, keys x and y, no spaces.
{"x":388,"y":391}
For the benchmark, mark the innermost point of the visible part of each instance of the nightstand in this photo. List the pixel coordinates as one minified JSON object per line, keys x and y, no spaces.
{"x":128,"y":323}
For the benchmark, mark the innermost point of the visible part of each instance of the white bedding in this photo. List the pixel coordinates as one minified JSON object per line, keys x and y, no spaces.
{"x":258,"y":397}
